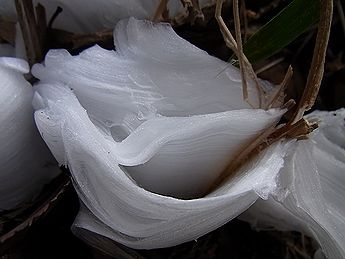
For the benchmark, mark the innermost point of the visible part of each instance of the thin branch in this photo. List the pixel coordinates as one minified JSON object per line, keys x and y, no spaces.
{"x":229,"y":40}
{"x":54,"y":16}
{"x":245,"y":20}
{"x":317,"y":65}
{"x":282,"y":87}
{"x":41,"y":25}
{"x":162,"y":6}
{"x":297,"y":128}
{"x":240,"y":48}
{"x":239,"y":159}
{"x":227,"y":36}
{"x":28,"y":25}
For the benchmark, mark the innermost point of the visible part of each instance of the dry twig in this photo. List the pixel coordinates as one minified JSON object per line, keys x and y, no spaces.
{"x":318,"y":62}
{"x":236,"y":47}
{"x":28,"y":25}
{"x":297,"y":127}
{"x":160,"y":10}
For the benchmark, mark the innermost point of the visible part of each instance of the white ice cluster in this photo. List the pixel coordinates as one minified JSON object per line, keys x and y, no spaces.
{"x":147,"y":128}
{"x":148,"y":122}
{"x":312,"y":188}
{"x":25,"y":162}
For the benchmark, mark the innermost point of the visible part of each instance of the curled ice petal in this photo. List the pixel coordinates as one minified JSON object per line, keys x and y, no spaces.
{"x":314,"y":181}
{"x":140,"y":219}
{"x":149,"y":122}
{"x":177,"y":156}
{"x":25,"y":162}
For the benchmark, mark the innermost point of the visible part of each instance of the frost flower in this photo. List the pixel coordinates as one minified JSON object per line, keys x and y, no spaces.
{"x":312,"y":188}
{"x":146,"y":129}
{"x":25,"y":162}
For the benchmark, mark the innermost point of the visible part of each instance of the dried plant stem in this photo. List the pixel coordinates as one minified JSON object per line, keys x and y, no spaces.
{"x":41,"y":25}
{"x":28,"y":25}
{"x":245,"y":20}
{"x":236,"y":47}
{"x":264,"y":140}
{"x":317,"y":65}
{"x":240,"y":48}
{"x":162,"y":6}
{"x":228,"y":38}
{"x":297,"y":127}
{"x":240,"y":158}
{"x":282,"y":87}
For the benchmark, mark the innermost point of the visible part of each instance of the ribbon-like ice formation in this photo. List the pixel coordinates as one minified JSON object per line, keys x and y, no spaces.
{"x":25,"y":162}
{"x":148,"y":122}
{"x":154,"y":120}
{"x":312,"y":188}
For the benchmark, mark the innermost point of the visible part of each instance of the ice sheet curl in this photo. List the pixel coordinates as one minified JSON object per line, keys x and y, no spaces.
{"x":25,"y":162}
{"x":312,"y":188}
{"x":152,"y":117}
